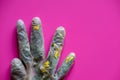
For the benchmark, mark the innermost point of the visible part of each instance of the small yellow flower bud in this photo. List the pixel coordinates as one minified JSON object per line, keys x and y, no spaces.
{"x":69,"y":58}
{"x":57,"y":54}
{"x":47,"y":64}
{"x":36,"y":27}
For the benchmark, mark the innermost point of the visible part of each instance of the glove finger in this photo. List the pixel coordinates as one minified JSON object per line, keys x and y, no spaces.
{"x":54,"y":53}
{"x":24,"y":47}
{"x":37,"y":42}
{"x":66,"y":66}
{"x":18,"y":71}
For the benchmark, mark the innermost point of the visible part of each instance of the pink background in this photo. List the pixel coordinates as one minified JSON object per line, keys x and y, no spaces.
{"x":92,"y":27}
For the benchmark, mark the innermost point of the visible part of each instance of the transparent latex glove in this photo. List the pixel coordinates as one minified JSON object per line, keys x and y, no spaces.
{"x":32,"y":65}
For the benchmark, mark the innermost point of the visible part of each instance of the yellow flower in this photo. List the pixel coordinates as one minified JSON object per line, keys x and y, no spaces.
{"x":54,"y":45}
{"x":56,"y":54}
{"x":46,"y":64}
{"x":69,"y":58}
{"x":36,"y":27}
{"x":43,"y":69}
